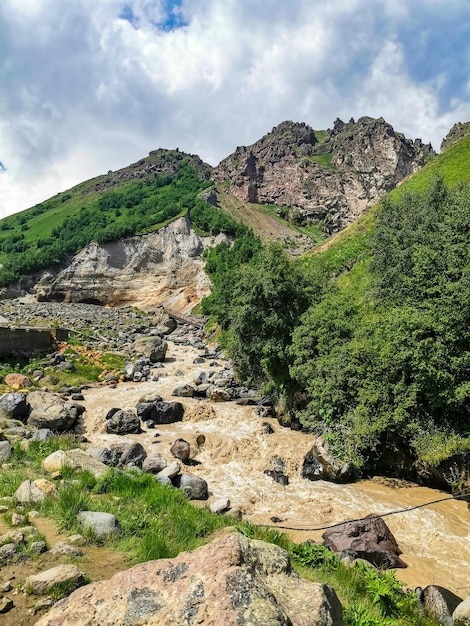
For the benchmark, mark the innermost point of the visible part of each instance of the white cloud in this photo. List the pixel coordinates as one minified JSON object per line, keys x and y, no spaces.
{"x":83,"y":91}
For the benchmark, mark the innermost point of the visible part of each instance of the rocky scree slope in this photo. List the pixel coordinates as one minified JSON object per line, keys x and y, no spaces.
{"x":329,"y":176}
{"x":162,"y":267}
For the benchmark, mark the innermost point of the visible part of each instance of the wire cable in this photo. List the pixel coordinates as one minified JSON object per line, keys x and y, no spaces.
{"x":459,"y":495}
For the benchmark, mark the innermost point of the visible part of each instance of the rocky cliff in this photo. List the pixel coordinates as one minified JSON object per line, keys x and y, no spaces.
{"x":163,"y":267}
{"x":327,"y":176}
{"x":457,"y":131}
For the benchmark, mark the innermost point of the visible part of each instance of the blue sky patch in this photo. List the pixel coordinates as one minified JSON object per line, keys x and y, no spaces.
{"x":173,"y":16}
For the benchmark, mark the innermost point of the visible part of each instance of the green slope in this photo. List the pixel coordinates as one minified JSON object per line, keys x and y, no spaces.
{"x":134,"y":200}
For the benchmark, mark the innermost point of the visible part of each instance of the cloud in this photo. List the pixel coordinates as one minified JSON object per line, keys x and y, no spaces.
{"x":90,"y":86}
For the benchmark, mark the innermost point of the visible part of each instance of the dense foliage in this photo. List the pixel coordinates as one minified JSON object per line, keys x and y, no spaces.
{"x":373,"y":335}
{"x":49,"y":232}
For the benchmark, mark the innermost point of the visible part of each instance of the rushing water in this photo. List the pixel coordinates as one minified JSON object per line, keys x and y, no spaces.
{"x":435,"y":539}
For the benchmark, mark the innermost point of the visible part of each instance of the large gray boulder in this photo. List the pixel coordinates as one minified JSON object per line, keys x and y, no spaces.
{"x":49,"y":410}
{"x":123,"y":423}
{"x":167,"y":412}
{"x":230,"y":581}
{"x":14,"y":406}
{"x":154,"y":463}
{"x":154,"y":348}
{"x":101,"y":524}
{"x":194,"y":487}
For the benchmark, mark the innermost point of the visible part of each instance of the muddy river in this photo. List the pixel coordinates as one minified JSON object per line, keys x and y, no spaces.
{"x":435,"y":539}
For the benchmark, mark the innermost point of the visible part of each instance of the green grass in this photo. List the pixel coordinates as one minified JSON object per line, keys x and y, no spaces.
{"x":324,"y":160}
{"x":321,"y":135}
{"x":158,"y":522}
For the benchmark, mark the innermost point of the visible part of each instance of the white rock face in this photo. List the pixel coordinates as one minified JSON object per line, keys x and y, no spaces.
{"x":163,"y":267}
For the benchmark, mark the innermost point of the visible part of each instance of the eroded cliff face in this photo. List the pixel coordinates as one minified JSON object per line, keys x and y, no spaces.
{"x":163,"y":267}
{"x":329,"y":176}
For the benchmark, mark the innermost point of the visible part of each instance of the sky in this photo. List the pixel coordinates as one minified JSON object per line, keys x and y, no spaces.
{"x":88,"y":86}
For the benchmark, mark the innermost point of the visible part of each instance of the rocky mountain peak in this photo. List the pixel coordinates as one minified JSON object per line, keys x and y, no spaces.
{"x":324,"y":176}
{"x":457,"y":131}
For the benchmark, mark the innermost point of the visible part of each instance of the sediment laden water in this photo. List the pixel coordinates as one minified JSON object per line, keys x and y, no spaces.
{"x":435,"y":539}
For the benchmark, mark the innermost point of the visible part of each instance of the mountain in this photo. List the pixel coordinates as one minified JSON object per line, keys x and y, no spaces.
{"x":323,"y":176}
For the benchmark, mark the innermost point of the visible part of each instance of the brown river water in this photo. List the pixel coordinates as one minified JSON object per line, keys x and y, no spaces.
{"x":435,"y":539}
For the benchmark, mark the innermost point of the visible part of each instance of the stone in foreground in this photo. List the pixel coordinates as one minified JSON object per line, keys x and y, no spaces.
{"x":231,"y":581}
{"x":60,"y":575}
{"x":369,"y":539}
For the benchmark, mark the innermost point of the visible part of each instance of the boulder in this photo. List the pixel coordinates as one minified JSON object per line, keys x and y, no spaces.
{"x":35,"y":491}
{"x":102,"y":524}
{"x":170,"y":471}
{"x":183,"y":391}
{"x":123,"y":423}
{"x":101,"y":454}
{"x":167,"y":412}
{"x":369,"y":539}
{"x":181,"y":450}
{"x":195,"y":487}
{"x":154,"y":463}
{"x":231,"y":581}
{"x":49,"y":410}
{"x":43,"y":434}
{"x":133,"y":454}
{"x":220,"y":505}
{"x":461,"y":615}
{"x":62,"y":574}
{"x":14,"y":406}
{"x":17,"y":381}
{"x":6,"y":450}
{"x":77,"y":458}
{"x":319,"y":464}
{"x":154,"y":348}
{"x":219,"y":395}
{"x":440,"y":603}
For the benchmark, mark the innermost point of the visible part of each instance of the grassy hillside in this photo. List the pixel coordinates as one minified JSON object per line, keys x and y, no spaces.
{"x":368,"y":342}
{"x":134,"y":200}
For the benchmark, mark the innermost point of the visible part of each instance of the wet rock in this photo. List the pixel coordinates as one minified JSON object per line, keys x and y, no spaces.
{"x":154,"y":463}
{"x":170,"y":471}
{"x":232,"y":580}
{"x":154,"y":348}
{"x":267,"y":428}
{"x":461,"y":615}
{"x":167,"y":412}
{"x":14,"y":406}
{"x":369,"y":539}
{"x":195,"y":487}
{"x":184,"y":391}
{"x":49,"y":410}
{"x":123,"y":423}
{"x":319,"y":464}
{"x":111,"y":412}
{"x":219,"y":395}
{"x":181,"y":450}
{"x":439,"y":603}
{"x":220,"y":505}
{"x":101,"y":524}
{"x":62,"y":574}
